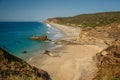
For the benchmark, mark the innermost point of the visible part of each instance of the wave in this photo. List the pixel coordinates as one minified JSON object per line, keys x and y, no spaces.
{"x":48,"y":32}
{"x":49,"y":25}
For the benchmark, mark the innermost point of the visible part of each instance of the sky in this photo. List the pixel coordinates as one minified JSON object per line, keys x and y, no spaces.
{"x":40,"y":10}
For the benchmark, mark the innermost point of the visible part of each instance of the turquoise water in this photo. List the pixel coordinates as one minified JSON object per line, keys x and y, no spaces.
{"x":14,"y":37}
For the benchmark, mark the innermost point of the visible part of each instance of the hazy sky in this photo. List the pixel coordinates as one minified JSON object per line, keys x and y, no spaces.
{"x":39,"y":10}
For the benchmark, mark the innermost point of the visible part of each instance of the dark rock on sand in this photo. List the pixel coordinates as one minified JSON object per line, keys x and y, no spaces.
{"x":48,"y":52}
{"x":51,"y":54}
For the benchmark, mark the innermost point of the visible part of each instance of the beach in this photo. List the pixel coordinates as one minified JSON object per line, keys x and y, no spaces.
{"x":70,"y":61}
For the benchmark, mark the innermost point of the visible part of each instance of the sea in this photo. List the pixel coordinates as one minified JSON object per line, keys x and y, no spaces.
{"x":14,"y":37}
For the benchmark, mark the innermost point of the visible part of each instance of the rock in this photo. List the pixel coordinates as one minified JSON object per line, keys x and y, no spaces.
{"x":24,"y":52}
{"x":110,"y":55}
{"x":108,"y":62}
{"x":117,"y":55}
{"x":103,"y":53}
{"x":48,"y":53}
{"x":40,"y":38}
{"x":103,"y":35}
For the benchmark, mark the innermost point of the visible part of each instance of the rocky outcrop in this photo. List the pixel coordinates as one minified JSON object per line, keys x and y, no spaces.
{"x":100,"y":35}
{"x":109,"y":62}
{"x":13,"y":68}
{"x":112,"y":53}
{"x":40,"y":38}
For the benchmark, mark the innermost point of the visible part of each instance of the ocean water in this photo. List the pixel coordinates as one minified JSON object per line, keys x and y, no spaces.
{"x":14,"y":37}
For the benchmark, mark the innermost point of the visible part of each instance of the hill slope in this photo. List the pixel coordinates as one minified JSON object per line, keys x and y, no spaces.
{"x":109,"y":62}
{"x":88,"y":20}
{"x":13,"y":68}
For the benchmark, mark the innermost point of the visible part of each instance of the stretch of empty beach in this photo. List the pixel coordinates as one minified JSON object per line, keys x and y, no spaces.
{"x":71,"y":61}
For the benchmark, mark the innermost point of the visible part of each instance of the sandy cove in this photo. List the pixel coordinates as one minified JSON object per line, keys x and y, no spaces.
{"x":72,"y":62}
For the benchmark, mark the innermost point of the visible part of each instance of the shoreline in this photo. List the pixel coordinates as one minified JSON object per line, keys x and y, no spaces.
{"x":70,"y":62}
{"x":67,"y":30}
{"x":35,"y":50}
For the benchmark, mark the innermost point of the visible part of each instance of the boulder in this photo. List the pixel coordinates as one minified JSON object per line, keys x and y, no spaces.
{"x":40,"y":38}
{"x":24,"y":52}
{"x":49,"y":53}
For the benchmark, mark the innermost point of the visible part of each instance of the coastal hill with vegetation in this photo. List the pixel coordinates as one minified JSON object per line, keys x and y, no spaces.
{"x":96,"y":45}
{"x":101,"y":29}
{"x":14,"y":68}
{"x":88,"y":20}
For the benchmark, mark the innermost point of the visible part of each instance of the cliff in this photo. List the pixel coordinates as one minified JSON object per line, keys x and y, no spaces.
{"x":14,"y":68}
{"x":100,"y":35}
{"x":109,"y":62}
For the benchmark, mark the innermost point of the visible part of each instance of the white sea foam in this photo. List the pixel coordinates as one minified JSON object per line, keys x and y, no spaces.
{"x":57,"y":36}
{"x":49,"y":25}
{"x":52,"y":42}
{"x":48,"y":32}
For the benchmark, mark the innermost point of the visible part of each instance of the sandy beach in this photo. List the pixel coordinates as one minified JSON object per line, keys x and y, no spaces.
{"x":70,"y":62}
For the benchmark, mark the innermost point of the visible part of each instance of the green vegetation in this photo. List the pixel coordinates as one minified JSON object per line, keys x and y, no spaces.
{"x":13,"y":68}
{"x":88,"y":20}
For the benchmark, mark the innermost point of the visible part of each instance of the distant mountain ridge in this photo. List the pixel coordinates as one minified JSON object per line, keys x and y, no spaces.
{"x":88,"y":20}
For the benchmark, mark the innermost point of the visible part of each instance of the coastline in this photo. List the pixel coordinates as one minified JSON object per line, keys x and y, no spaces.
{"x":70,"y":62}
{"x":69,"y":32}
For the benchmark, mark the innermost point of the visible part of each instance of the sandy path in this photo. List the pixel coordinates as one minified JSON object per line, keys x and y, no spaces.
{"x":75,"y":62}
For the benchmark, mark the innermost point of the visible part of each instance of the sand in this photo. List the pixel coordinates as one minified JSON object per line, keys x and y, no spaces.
{"x":71,"y":62}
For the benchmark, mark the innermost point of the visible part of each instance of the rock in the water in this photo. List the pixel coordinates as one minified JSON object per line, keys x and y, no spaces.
{"x":24,"y":52}
{"x":40,"y":38}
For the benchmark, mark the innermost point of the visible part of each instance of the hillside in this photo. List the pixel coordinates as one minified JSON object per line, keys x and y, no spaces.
{"x":13,"y":68}
{"x":109,"y":62}
{"x":101,"y":29}
{"x":88,"y":20}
